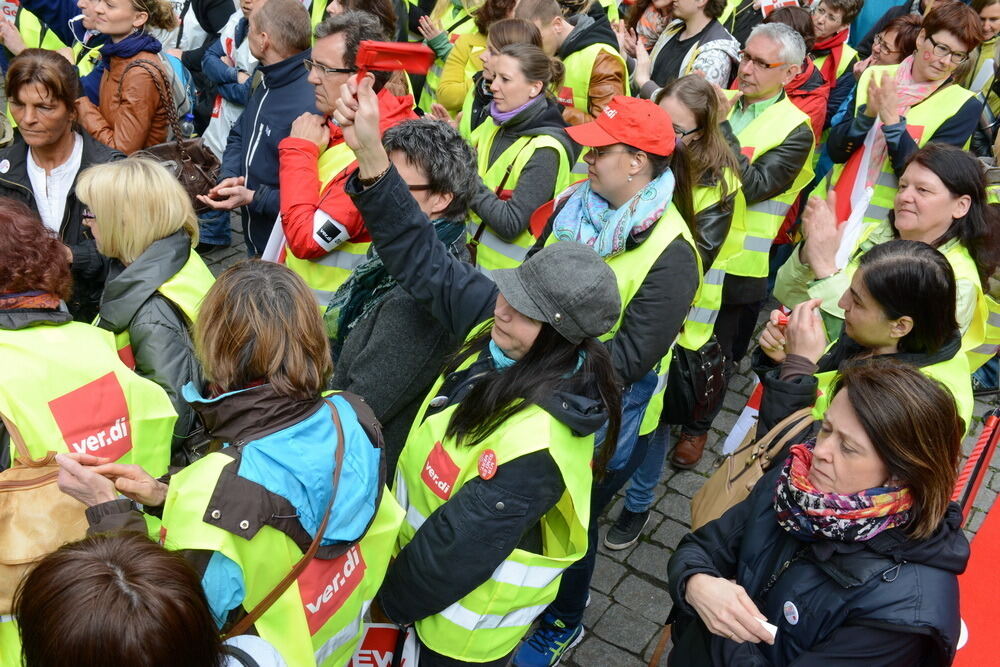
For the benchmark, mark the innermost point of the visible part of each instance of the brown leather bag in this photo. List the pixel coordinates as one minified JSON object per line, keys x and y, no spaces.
{"x":190,"y":160}
{"x":36,"y":518}
{"x":739,"y":472}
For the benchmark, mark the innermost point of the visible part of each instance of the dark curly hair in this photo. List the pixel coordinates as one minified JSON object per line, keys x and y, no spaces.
{"x":491,"y":12}
{"x":31,"y":257}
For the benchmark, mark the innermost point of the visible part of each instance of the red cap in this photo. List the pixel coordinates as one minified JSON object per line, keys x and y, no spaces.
{"x":638,"y":123}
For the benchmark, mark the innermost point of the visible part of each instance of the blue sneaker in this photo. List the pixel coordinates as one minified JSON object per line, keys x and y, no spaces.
{"x":548,"y":643}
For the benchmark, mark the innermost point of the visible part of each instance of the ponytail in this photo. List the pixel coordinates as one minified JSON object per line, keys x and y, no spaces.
{"x":160,"y":12}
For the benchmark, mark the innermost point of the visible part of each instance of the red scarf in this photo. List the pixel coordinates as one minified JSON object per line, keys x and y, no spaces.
{"x":833,"y":45}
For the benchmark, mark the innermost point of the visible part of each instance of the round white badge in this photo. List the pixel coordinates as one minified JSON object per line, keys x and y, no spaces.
{"x":791,"y":612}
{"x":4,"y":166}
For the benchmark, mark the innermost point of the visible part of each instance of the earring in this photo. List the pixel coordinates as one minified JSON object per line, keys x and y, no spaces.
{"x":629,"y":179}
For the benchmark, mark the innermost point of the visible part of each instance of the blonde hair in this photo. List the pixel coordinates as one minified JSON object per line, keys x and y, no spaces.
{"x":260,"y":322}
{"x":135,"y":202}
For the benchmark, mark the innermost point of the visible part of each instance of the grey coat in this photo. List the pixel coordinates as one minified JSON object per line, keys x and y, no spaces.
{"x":161,"y":341}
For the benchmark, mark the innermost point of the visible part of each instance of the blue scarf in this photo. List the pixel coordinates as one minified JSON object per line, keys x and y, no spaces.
{"x":135,"y":43}
{"x":588,"y":218}
{"x":500,"y":358}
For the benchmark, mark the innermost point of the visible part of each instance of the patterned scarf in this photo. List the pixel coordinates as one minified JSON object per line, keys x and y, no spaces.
{"x":911,"y":93}
{"x":807,"y":512}
{"x":587,"y":217}
{"x":35,"y":300}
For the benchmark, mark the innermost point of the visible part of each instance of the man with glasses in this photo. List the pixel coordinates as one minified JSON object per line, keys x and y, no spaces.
{"x":278,"y":38}
{"x":324,"y":235}
{"x":776,"y":145}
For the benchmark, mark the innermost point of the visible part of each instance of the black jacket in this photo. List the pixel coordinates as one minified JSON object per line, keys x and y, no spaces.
{"x":653,"y":318}
{"x":588,"y":29}
{"x":89,"y":266}
{"x":161,"y":341}
{"x":885,"y":602}
{"x":450,"y":556}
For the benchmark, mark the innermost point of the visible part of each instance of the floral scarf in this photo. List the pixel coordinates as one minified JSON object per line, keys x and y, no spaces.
{"x":35,"y":300}
{"x":807,"y":512}
{"x":911,"y":93}
{"x":587,"y":218}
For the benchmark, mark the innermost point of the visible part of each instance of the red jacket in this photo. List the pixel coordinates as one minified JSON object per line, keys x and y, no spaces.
{"x":809,"y":91}
{"x":300,"y":187}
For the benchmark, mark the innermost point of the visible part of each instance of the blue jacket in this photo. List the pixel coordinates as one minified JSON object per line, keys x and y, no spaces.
{"x":281,"y":95}
{"x":296,"y":463}
{"x":60,"y":16}
{"x":223,"y":75}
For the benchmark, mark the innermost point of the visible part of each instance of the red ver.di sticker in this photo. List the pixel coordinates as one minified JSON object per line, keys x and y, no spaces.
{"x":325,"y":584}
{"x":488,"y":464}
{"x":440,"y":472}
{"x":94,"y":419}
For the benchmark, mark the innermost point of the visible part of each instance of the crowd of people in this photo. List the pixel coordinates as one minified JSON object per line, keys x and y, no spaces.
{"x":475,"y":299}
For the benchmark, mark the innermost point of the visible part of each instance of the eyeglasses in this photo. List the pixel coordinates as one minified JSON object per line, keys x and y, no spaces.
{"x":825,"y":13}
{"x":683,"y":133}
{"x":598,"y":153}
{"x":942,"y":51}
{"x":310,"y":64}
{"x":757,"y":62}
{"x":883,"y":45}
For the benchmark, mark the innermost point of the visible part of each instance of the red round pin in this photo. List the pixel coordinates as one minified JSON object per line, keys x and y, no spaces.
{"x":488,"y":464}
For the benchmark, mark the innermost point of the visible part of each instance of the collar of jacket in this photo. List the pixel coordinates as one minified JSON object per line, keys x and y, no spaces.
{"x":846,"y":348}
{"x":13,"y":320}
{"x":16,"y":154}
{"x":248,"y":414}
{"x":285,"y":71}
{"x":588,"y":30}
{"x":127,"y":291}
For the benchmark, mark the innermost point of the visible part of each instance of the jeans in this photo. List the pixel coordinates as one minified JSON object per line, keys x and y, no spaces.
{"x":574,"y":588}
{"x":213,"y":228}
{"x":985,"y":377}
{"x":639,"y":496}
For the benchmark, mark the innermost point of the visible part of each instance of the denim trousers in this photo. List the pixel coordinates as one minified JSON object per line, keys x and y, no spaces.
{"x":574,"y":588}
{"x":213,"y":228}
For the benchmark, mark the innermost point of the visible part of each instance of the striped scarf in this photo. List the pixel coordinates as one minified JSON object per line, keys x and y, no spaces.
{"x":809,"y":513}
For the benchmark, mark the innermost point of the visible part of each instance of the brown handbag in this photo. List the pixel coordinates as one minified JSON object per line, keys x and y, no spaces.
{"x":36,"y":518}
{"x":247,"y":621}
{"x":194,"y":164}
{"x":739,"y":472}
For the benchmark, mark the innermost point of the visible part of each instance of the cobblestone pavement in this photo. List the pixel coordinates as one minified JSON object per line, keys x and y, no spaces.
{"x":629,"y":598}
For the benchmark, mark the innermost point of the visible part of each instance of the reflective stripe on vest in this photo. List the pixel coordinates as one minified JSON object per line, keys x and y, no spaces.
{"x":631,"y":268}
{"x":700,"y":322}
{"x":325,"y":274}
{"x":763,"y":219}
{"x":965,"y":270}
{"x":487,"y":623}
{"x":491,"y":251}
{"x":575,"y":90}
{"x":953,"y":373}
{"x":186,"y":289}
{"x":298,"y":624}
{"x":67,"y":391}
{"x":982,"y":353}
{"x":922,"y":121}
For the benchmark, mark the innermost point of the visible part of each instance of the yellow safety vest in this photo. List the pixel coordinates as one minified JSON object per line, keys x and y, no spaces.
{"x":36,"y":35}
{"x":575,"y":90}
{"x":66,"y":390}
{"x":922,"y":121}
{"x":455,"y":21}
{"x":764,"y":218}
{"x":847,"y":54}
{"x":611,"y":9}
{"x":953,"y":374}
{"x":318,"y":620}
{"x":465,"y":120}
{"x":325,"y":274}
{"x":493,"y":252}
{"x":631,"y":268}
{"x":974,"y":337}
{"x":10,"y":642}
{"x":185,"y":289}
{"x":488,"y":623}
{"x":700,"y":322}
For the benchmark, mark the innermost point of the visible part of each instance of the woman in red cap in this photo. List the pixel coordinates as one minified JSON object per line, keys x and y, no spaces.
{"x":635,"y":210}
